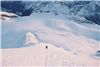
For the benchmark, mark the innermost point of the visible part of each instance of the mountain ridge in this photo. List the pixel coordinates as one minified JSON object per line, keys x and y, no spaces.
{"x":75,"y":8}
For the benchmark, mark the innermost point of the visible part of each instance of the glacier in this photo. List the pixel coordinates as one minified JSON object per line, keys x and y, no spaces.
{"x":49,"y":39}
{"x":31,"y":33}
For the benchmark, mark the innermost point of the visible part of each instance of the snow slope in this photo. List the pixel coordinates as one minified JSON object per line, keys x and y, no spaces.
{"x":44,"y":25}
{"x":38,"y":55}
{"x":69,"y":43}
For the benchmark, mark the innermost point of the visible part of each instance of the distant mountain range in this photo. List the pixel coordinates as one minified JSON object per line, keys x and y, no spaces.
{"x":90,"y":10}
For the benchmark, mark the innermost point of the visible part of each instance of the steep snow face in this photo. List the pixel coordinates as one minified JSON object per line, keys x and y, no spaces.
{"x":89,"y":10}
{"x":30,"y":39}
{"x":48,"y":28}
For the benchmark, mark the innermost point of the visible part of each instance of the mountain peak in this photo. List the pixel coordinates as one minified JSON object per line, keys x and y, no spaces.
{"x":30,"y":38}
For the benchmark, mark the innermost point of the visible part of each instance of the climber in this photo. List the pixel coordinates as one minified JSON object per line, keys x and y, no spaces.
{"x":46,"y":47}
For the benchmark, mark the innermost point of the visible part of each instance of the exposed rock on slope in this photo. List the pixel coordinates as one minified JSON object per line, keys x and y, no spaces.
{"x":90,"y":10}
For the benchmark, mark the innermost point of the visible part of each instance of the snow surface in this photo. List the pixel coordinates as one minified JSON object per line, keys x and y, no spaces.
{"x":38,"y":55}
{"x":69,"y":43}
{"x":30,"y":39}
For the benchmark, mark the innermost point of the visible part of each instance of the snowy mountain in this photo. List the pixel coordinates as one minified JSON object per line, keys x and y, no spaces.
{"x":89,"y":10}
{"x":45,"y":23}
{"x":49,"y":34}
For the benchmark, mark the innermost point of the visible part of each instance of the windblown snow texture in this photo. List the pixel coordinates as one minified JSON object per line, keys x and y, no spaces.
{"x":45,"y":33}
